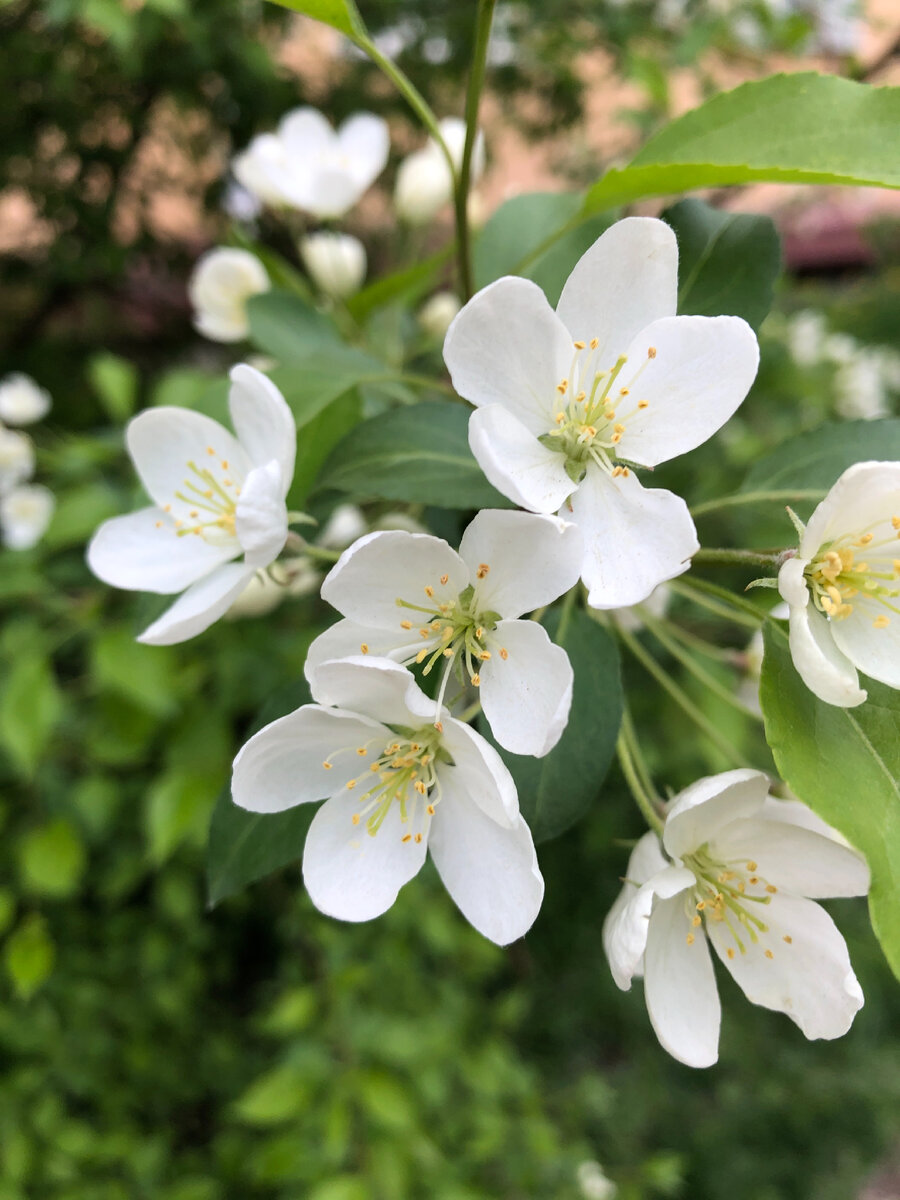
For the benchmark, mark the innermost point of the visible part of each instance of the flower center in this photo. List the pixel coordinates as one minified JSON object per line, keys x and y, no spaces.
{"x":593,"y":409}
{"x":729,"y":894}
{"x":207,"y":503}
{"x":858,"y":568}
{"x":404,"y":773}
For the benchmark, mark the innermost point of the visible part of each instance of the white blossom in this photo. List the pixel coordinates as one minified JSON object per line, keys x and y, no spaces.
{"x":222,"y":282}
{"x":216,"y":498}
{"x":411,"y":598}
{"x":16,"y":458}
{"x":843,"y":587}
{"x":424,"y":181}
{"x":336,"y":262}
{"x":568,"y":401}
{"x":25,"y":513}
{"x":397,"y":781}
{"x":861,"y":394}
{"x":311,"y":166}
{"x":593,"y":1182}
{"x":657,"y":605}
{"x":740,"y":870}
{"x":437,"y":313}
{"x":22,"y":401}
{"x":806,"y":333}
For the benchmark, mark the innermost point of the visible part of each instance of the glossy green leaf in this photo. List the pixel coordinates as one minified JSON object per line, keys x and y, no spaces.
{"x":419,"y":455}
{"x":339,"y":14}
{"x":727,"y":262}
{"x":407,"y":284}
{"x":845,"y":764}
{"x":815,"y":460}
{"x":285,"y":326}
{"x":804,"y":128}
{"x":317,"y":441}
{"x":517,"y":230}
{"x":557,"y":790}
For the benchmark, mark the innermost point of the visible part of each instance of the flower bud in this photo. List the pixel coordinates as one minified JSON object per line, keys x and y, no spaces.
{"x":22,"y":401}
{"x":336,"y":263}
{"x":25,"y":513}
{"x":16,"y":458}
{"x":436,"y":314}
{"x":223,"y":281}
{"x":424,"y":182}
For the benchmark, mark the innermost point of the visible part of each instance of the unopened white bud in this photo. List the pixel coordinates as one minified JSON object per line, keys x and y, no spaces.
{"x":223,"y":281}
{"x":436,"y":314}
{"x":336,"y":263}
{"x":346,"y":523}
{"x":16,"y":458}
{"x":25,"y":513}
{"x":424,"y":180}
{"x":22,"y":401}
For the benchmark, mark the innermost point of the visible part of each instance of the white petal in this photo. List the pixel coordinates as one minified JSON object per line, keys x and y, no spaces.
{"x":262,"y":420}
{"x":480,"y":772}
{"x":823,"y":668}
{"x":197,"y":608}
{"x":635,"y":538}
{"x":627,"y":923}
{"x":383,"y":567}
{"x":794,"y":859}
{"x":261,"y":520}
{"x":866,"y":493}
{"x":627,"y":279}
{"x":375,"y":687}
{"x":220,"y":328}
{"x":330,"y":193}
{"x":527,"y":695}
{"x":875,"y":651}
{"x":680,"y":986}
{"x":164,"y":441}
{"x":364,"y":140}
{"x":345,"y":639}
{"x":508,"y":347}
{"x":351,"y":874}
{"x":792,"y":583}
{"x":810,"y":979}
{"x":143,"y":552}
{"x":516,"y":463}
{"x":282,"y":765}
{"x":702,"y":370}
{"x":305,"y":134}
{"x":491,"y":872}
{"x":795,"y":812}
{"x":701,"y":810}
{"x":532,"y":559}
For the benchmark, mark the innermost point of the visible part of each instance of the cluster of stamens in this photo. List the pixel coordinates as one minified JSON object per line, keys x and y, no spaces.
{"x":854,"y":569}
{"x":211,"y":502}
{"x":593,"y":409}
{"x":727,"y":894}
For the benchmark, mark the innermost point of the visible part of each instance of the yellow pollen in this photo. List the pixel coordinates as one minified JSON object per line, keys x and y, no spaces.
{"x":375,"y":766}
{"x":771,"y":889}
{"x":754,"y":879}
{"x":159,"y":524}
{"x":355,"y":818}
{"x":194,"y":513}
{"x":897,"y":566}
{"x":787,"y":938}
{"x":594,"y":343}
{"x":560,"y":418}
{"x":479,"y":633}
{"x":484,"y":655}
{"x":420,"y":787}
{"x":482,"y":571}
{"x":364,"y":647}
{"x":327,"y":765}
{"x":210,"y":451}
{"x":578,"y":345}
{"x":351,"y":784}
{"x":690,"y":939}
{"x":619,"y":428}
{"x":439,"y":727}
{"x":425,"y":633}
{"x":751,"y":866}
{"x":224,"y":464}
{"x":562,"y":386}
{"x":406,"y":624}
{"x":695,"y":921}
{"x":881,"y":622}
{"x":418,"y":837}
{"x":361,"y":751}
{"x":651,"y":352}
{"x":769,"y":954}
{"x":895,"y":521}
{"x":616,"y":438}
{"x":435,"y":625}
{"x":167,"y":508}
{"x":504,"y":653}
{"x":422,"y":655}
{"x":865,"y":539}
{"x":407,"y":837}
{"x":449,"y":653}
{"x":701,"y":904}
{"x":730,"y":952}
{"x":610,"y":414}
{"x":430,"y":809}
{"x":476,"y":680}
{"x":444,"y":578}
{"x":617,"y":471}
{"x":643,"y":403}
{"x":429,"y":590}
{"x":581,"y":396}
{"x":624,"y":391}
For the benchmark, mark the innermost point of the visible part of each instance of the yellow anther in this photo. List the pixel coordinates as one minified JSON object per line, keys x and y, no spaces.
{"x":881,"y":622}
{"x":355,"y":818}
{"x":224,"y":464}
{"x":562,"y":386}
{"x":418,"y":837}
{"x":482,"y":571}
{"x":375,"y":766}
{"x":651,"y":352}
{"x":695,"y":921}
{"x":476,"y":680}
{"x":643,"y":403}
{"x":364,"y":647}
{"x":771,"y":889}
{"x":422,"y":655}
{"x":159,"y":524}
{"x":435,"y":625}
{"x":701,"y":904}
{"x":210,"y":451}
{"x":449,"y":653}
{"x":479,"y":633}
{"x":690,"y":939}
{"x":769,"y":954}
{"x":609,"y":414}
{"x":581,"y":396}
{"x":327,"y":765}
{"x":578,"y":345}
{"x":425,"y":633}
{"x":484,"y":655}
{"x":865,"y":539}
{"x":751,"y":866}
{"x":407,"y":837}
{"x":429,"y":808}
{"x":754,"y":879}
{"x":616,"y":438}
{"x":624,"y":391}
{"x":194,"y":513}
{"x":361,"y":751}
{"x":787,"y":938}
{"x":504,"y":653}
{"x":560,"y":418}
{"x":730,"y":952}
{"x":444,"y":578}
{"x":351,"y":784}
{"x":620,"y":428}
{"x":406,"y":624}
{"x":895,"y":521}
{"x":439,"y":726}
{"x":897,"y":566}
{"x":429,"y":590}
{"x":447,"y":634}
{"x":594,"y":343}
{"x":420,"y":787}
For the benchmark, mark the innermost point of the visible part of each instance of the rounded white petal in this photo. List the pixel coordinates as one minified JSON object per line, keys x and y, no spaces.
{"x":222,"y":282}
{"x":480,"y":772}
{"x":795,"y":812}
{"x":262,"y":421}
{"x":794,"y":859}
{"x":515,"y":462}
{"x":453,"y":131}
{"x":628,"y":278}
{"x":436,"y":314}
{"x":873,"y":650}
{"x":792,"y":583}
{"x":282,"y":765}
{"x":221,"y":328}
{"x":526,"y":696}
{"x":346,"y":523}
{"x":697,"y":814}
{"x":809,"y":978}
{"x":16,"y":458}
{"x":490,"y":871}
{"x":865,"y":495}
{"x":827,"y":673}
{"x":364,"y":142}
{"x":345,"y":639}
{"x":22,"y":401}
{"x":375,"y":687}
{"x":261,"y":516}
{"x":327,"y":194}
{"x":702,"y":370}
{"x":424,"y":185}
{"x":354,"y":875}
{"x":197,"y":608}
{"x":627,"y":923}
{"x":261,"y":168}
{"x":336,"y":262}
{"x":635,"y":538}
{"x":532,"y":559}
{"x":383,"y":567}
{"x":507,"y":346}
{"x":143,"y":553}
{"x":306,"y":133}
{"x":25,"y":513}
{"x":680,"y":986}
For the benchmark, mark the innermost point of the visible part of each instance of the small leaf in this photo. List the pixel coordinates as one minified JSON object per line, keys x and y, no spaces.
{"x":339,"y":14}
{"x":115,"y":380}
{"x":52,"y":859}
{"x":285,"y":326}
{"x":845,"y":764}
{"x":419,"y":454}
{"x":29,"y":955}
{"x":816,"y":459}
{"x":178,"y":809}
{"x":30,"y":706}
{"x":142,"y":674}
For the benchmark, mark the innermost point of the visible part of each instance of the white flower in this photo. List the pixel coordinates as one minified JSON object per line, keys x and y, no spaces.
{"x":336,"y":262}
{"x":565,"y":400}
{"x":22,"y":401}
{"x":310,"y":166}
{"x":411,"y":598}
{"x":748,"y":687}
{"x":657,"y":605}
{"x":593,"y":1181}
{"x":25,"y":513}
{"x":395,"y":783}
{"x":16,"y":458}
{"x":216,"y":497}
{"x":806,"y":334}
{"x":222,"y":282}
{"x":240,"y":203}
{"x":848,"y":566}
{"x":860,"y":389}
{"x":346,"y":523}
{"x":436,"y":314}
{"x":742,"y":870}
{"x":424,"y":182}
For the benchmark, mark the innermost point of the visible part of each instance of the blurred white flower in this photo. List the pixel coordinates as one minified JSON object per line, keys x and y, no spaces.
{"x":860,"y":393}
{"x":309,"y":165}
{"x":424,"y":182}
{"x":22,"y":401}
{"x":16,"y":458}
{"x":346,"y":523}
{"x":806,"y":332}
{"x":336,"y":262}
{"x":222,"y":282}
{"x":748,"y":687}
{"x":240,"y":203}
{"x":656,"y":604}
{"x":25,"y":513}
{"x":593,"y":1181}
{"x":437,"y":313}
{"x":840,"y":348}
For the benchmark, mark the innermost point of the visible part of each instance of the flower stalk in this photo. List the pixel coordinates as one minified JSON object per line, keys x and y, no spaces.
{"x":483,"y":21}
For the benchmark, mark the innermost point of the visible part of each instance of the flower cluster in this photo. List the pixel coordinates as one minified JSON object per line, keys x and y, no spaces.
{"x":25,"y":508}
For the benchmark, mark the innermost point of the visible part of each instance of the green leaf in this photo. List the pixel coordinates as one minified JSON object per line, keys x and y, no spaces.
{"x":557,"y":790}
{"x":285,"y":326}
{"x":339,"y":14}
{"x":419,"y":454}
{"x":282,"y":1094}
{"x":845,"y":764}
{"x":115,"y":380}
{"x":803,"y":128}
{"x":79,"y":510}
{"x":517,"y":230}
{"x":30,"y":706}
{"x":815,"y":460}
{"x":727,"y":262}
{"x":319,"y":438}
{"x":142,"y":674}
{"x":178,"y":809}
{"x":407,"y":284}
{"x":52,"y":859}
{"x":29,"y":955}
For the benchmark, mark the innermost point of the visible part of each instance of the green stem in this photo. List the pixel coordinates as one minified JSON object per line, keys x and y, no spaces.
{"x":741,"y":558}
{"x":637,"y":755}
{"x":755,"y":498}
{"x":738,"y":603}
{"x":320,"y":553}
{"x":642,"y":797}
{"x":468,"y":713}
{"x":462,"y":180}
{"x":693,"y":641}
{"x":426,"y":381}
{"x":681,"y":698}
